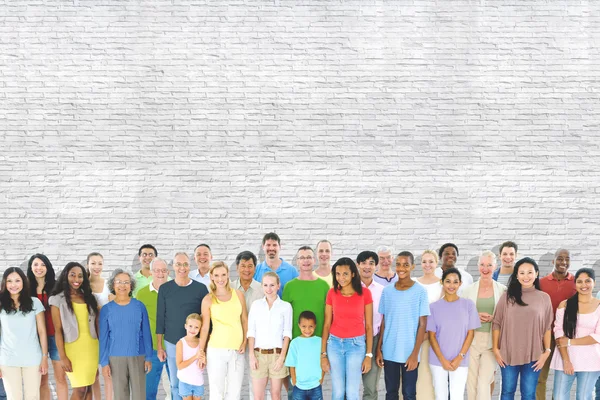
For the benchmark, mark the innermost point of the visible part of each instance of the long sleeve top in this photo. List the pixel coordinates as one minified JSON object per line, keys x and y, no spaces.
{"x":124,"y":331}
{"x":522,"y":328}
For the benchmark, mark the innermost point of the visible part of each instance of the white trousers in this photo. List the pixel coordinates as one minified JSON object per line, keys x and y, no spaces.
{"x":225,"y":368}
{"x":456,"y":380}
{"x":17,"y":378}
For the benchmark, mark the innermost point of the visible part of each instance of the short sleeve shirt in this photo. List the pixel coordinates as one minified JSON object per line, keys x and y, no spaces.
{"x":348,"y":313}
{"x":19,"y":343}
{"x":304,"y":354}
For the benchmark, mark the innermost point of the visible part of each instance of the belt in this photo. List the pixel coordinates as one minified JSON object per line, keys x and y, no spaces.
{"x":268,"y":351}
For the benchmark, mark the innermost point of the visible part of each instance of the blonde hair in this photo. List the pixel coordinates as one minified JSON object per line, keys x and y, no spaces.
{"x":490,"y":254}
{"x":433,"y":253}
{"x":271,"y":274}
{"x":212,"y":286}
{"x":194,"y":316}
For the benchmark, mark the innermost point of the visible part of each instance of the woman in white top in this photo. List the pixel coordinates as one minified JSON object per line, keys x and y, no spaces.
{"x":95,"y":266}
{"x":269,"y":335}
{"x":485,"y":293}
{"x":433,"y":286}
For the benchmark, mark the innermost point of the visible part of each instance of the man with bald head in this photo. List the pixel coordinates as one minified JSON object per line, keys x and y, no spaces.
{"x":148,"y":295}
{"x":560,"y":285}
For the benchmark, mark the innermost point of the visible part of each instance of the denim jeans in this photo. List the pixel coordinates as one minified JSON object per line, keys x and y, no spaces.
{"x":2,"y":391}
{"x":310,"y":394}
{"x":345,"y":359}
{"x":392,"y":373}
{"x":172,"y":368}
{"x":153,"y":377}
{"x":585,"y":385}
{"x":528,"y":381}
{"x":597,"y":389}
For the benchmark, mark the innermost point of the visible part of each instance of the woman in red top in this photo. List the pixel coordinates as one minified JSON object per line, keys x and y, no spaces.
{"x":346,"y":346}
{"x":40,"y":274}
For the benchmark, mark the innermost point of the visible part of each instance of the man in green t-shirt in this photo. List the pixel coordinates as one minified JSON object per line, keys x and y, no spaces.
{"x":306,"y":292}
{"x":148,"y":295}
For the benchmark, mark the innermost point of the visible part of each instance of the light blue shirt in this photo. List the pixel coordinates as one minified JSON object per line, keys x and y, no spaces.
{"x":598,"y":295}
{"x":19,"y":343}
{"x":304,"y":354}
{"x":286,"y":272}
{"x":401,"y":310}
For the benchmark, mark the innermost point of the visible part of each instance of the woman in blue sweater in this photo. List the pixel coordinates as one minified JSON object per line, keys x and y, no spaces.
{"x":125,"y":339}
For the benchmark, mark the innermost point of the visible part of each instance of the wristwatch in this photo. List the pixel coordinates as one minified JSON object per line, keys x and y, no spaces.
{"x":569,"y":343}
{"x":370,"y":355}
{"x":463,"y":355}
{"x":549,"y":350}
{"x":324,"y":354}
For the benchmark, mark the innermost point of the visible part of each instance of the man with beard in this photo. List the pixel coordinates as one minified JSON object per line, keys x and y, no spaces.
{"x":286,"y":271}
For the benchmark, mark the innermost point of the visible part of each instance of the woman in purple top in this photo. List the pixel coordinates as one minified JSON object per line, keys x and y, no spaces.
{"x":451,"y":328}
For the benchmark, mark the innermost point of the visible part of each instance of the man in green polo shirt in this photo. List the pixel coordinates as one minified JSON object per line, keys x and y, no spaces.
{"x":143,"y":277}
{"x":148,"y":295}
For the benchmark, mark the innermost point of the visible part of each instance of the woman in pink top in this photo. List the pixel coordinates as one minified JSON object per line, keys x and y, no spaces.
{"x":347,"y":340}
{"x":577,"y":332}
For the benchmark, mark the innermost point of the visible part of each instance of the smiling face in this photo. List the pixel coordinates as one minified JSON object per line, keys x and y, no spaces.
{"x":584,"y":284}
{"x":146,"y":256}
{"x":403,"y":267}
{"x":526,"y":275}
{"x":160,"y":273}
{"x":95,"y":265}
{"x":451,"y":284}
{"x":122,"y":285}
{"x":271,"y":249}
{"x":38,"y":268}
{"x":428,"y":263}
{"x":508,"y":256}
{"x":307,"y":327}
{"x":181,"y":264}
{"x":246,"y":269}
{"x":203,"y":257}
{"x":270,"y":286}
{"x":385,"y":261}
{"x":449,"y":258}
{"x":366,"y":268}
{"x":562,"y":262}
{"x":192,"y":327}
{"x":75,"y":278}
{"x":220,"y":276}
{"x":486,"y":267}
{"x":14,"y":284}
{"x":306,"y":260}
{"x":343,"y":275}
{"x":324,"y":253}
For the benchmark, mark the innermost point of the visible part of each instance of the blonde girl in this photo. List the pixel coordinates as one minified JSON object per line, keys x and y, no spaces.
{"x":189,"y":354}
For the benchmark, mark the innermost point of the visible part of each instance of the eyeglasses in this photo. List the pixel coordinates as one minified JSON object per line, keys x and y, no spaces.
{"x":119,"y":282}
{"x":184,"y":265}
{"x":161,"y":271}
{"x":148,"y":255}
{"x":306,"y":258}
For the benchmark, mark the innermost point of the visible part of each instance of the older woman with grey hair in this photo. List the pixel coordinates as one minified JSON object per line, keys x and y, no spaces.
{"x":125,"y":339}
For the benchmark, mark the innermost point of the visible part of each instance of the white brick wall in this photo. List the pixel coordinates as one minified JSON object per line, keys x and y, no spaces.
{"x":409,"y":123}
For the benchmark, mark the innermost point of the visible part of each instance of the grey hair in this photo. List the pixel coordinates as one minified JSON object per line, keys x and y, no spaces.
{"x":111,"y":281}
{"x":159,"y":260}
{"x":181,"y":253}
{"x":384,"y":249}
{"x":490,"y":254}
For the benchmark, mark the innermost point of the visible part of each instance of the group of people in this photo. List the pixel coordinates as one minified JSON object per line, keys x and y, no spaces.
{"x":434,"y":334}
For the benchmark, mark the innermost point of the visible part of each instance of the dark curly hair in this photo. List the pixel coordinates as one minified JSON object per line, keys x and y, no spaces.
{"x":62,"y":287}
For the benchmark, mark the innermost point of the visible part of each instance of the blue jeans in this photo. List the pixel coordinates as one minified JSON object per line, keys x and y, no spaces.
{"x":310,"y":394}
{"x":597,"y":389}
{"x":345,"y":359}
{"x":172,"y":368}
{"x":585,"y":385}
{"x":392,"y":373}
{"x":2,"y":391}
{"x":153,"y":377}
{"x":529,"y":380}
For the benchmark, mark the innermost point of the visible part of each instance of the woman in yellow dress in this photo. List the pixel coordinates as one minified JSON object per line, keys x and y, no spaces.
{"x":74,"y":314}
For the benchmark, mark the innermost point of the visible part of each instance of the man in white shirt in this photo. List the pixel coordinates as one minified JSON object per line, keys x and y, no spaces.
{"x":448,"y":255}
{"x":246,"y":266}
{"x":366,"y":262}
{"x":203,"y":257}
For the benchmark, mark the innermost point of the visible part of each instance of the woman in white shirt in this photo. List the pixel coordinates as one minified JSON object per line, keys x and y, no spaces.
{"x":269,"y":335}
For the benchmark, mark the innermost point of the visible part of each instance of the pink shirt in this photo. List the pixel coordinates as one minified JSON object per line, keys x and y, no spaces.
{"x":584,"y":358}
{"x":376,"y":290}
{"x":348,"y":313}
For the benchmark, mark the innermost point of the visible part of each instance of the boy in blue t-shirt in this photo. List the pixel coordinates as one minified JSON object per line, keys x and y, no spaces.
{"x":304,"y":360}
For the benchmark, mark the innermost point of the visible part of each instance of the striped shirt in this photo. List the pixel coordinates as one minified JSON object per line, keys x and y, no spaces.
{"x":401,"y":310}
